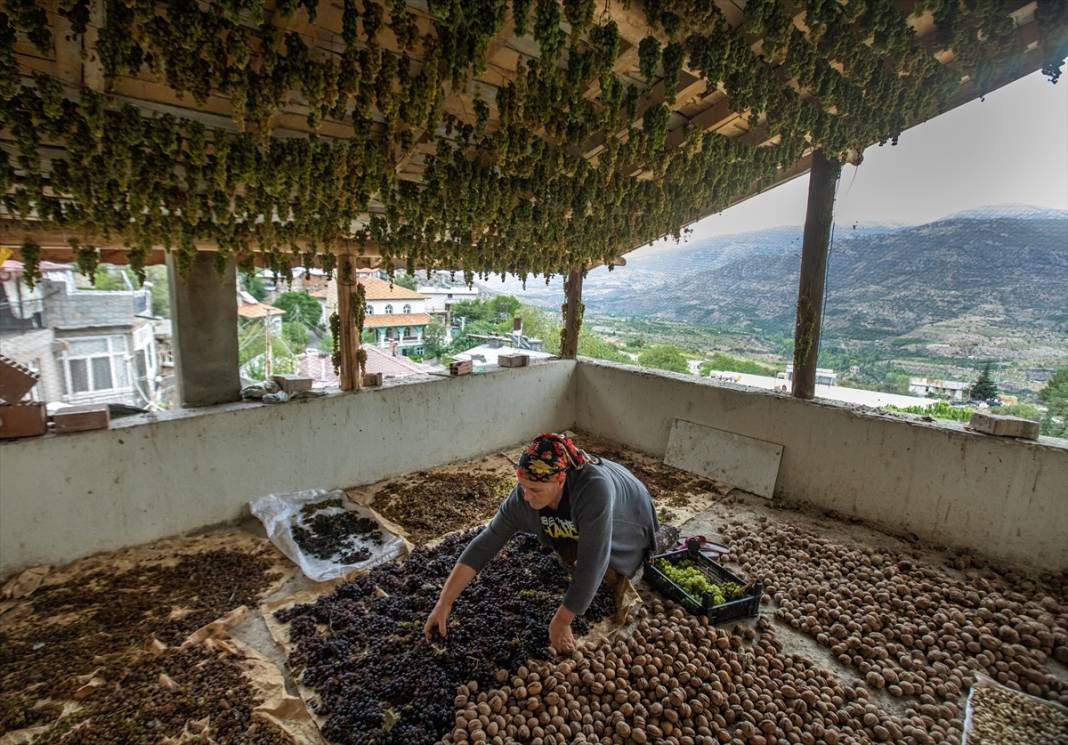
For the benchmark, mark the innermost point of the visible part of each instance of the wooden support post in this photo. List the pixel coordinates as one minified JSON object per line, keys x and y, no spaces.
{"x":572,"y":314}
{"x":346,"y":287}
{"x":823,"y":177}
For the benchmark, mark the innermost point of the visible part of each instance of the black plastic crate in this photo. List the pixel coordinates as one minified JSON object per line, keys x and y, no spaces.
{"x":743,"y":607}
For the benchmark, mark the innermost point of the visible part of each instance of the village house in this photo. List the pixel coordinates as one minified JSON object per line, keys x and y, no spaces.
{"x":88,"y":346}
{"x":951,"y":390}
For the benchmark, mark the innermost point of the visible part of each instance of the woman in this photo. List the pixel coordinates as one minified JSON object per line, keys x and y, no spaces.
{"x":595,"y":513}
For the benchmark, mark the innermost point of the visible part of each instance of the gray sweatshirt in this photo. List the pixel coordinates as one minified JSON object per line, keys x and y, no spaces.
{"x":611,"y":517}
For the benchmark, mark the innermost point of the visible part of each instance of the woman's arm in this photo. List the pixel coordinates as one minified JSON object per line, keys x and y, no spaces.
{"x":459,"y":578}
{"x":478,"y":553}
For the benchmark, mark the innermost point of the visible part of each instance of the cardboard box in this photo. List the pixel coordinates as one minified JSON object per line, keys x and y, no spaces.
{"x":81,"y":418}
{"x":461,"y":368}
{"x":16,"y":380}
{"x":513,"y":360}
{"x":23,"y":420}
{"x":372,"y":380}
{"x":1004,"y":426}
{"x":293,"y":383}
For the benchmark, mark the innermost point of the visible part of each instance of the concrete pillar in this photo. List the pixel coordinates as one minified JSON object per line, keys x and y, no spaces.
{"x":204,"y":323}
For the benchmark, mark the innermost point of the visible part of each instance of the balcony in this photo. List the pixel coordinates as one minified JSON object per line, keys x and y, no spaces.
{"x":854,"y":489}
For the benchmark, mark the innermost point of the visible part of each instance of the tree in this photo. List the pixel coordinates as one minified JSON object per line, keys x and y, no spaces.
{"x":727,"y":363}
{"x":119,"y":278}
{"x":434,"y":339}
{"x":300,"y":307}
{"x":984,"y":388}
{"x":252,"y":344}
{"x":505,"y":306}
{"x":159,"y":291}
{"x":1055,"y":396}
{"x":295,"y":333}
{"x":1055,"y":393}
{"x":664,"y":357}
{"x":254,"y":286}
{"x":111,"y":279}
{"x":326,"y":344}
{"x":896,"y":381}
{"x":405,"y":280}
{"x":591,"y":345}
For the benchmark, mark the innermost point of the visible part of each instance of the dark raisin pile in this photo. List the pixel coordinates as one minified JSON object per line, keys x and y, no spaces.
{"x":361,"y":647}
{"x":97,"y":623}
{"x":336,"y":535}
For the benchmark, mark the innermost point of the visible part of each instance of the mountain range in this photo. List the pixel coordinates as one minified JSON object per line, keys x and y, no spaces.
{"x":1004,"y":265}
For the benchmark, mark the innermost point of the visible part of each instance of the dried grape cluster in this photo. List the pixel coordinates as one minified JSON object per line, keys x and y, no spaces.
{"x":330,"y":532}
{"x":192,"y":695}
{"x":921,"y":632}
{"x":671,"y":488}
{"x":109,"y":615}
{"x":418,"y":504}
{"x":361,"y":648}
{"x":678,"y":680}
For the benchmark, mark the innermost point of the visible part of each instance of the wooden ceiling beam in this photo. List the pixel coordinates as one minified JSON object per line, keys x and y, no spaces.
{"x":15,"y":232}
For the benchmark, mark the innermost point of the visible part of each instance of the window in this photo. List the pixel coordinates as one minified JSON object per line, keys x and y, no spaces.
{"x":389,"y":310}
{"x":370,"y":311}
{"x":96,"y":363}
{"x":407,"y":308}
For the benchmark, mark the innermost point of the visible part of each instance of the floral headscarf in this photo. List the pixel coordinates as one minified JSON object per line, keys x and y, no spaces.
{"x":549,"y":457}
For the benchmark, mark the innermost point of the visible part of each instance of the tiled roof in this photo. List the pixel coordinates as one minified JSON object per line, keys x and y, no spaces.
{"x":320,"y":368}
{"x":379,"y":360}
{"x":379,"y":289}
{"x":258,"y":310}
{"x":385,"y":320}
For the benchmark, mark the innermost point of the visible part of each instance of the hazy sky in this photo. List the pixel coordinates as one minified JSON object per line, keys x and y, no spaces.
{"x":1010,"y":148}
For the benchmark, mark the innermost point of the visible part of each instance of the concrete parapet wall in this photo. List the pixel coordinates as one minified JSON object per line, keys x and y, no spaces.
{"x":1005,"y":498}
{"x":63,"y":497}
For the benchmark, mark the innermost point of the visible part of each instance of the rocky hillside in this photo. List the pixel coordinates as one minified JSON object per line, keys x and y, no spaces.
{"x":1001,"y":266}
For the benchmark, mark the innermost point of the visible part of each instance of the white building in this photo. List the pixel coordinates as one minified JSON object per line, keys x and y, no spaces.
{"x":951,"y":390}
{"x":872,"y":399}
{"x":439,"y":300}
{"x":89,"y":346}
{"x":398,"y":316}
{"x":485,"y":355}
{"x":824,"y":376}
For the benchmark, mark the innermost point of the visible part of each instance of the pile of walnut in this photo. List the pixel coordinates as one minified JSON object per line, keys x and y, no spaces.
{"x":1001,"y":716}
{"x":677,"y":680}
{"x":920,"y":631}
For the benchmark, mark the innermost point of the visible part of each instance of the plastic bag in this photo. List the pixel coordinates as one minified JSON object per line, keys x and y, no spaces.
{"x":1027,"y":710}
{"x":279,"y":513}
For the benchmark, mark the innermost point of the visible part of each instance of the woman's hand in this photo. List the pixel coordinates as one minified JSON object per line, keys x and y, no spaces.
{"x":560,"y":637}
{"x":437,"y":621}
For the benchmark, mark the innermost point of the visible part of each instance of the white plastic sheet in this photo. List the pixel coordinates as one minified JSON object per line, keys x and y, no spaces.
{"x":279,"y":513}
